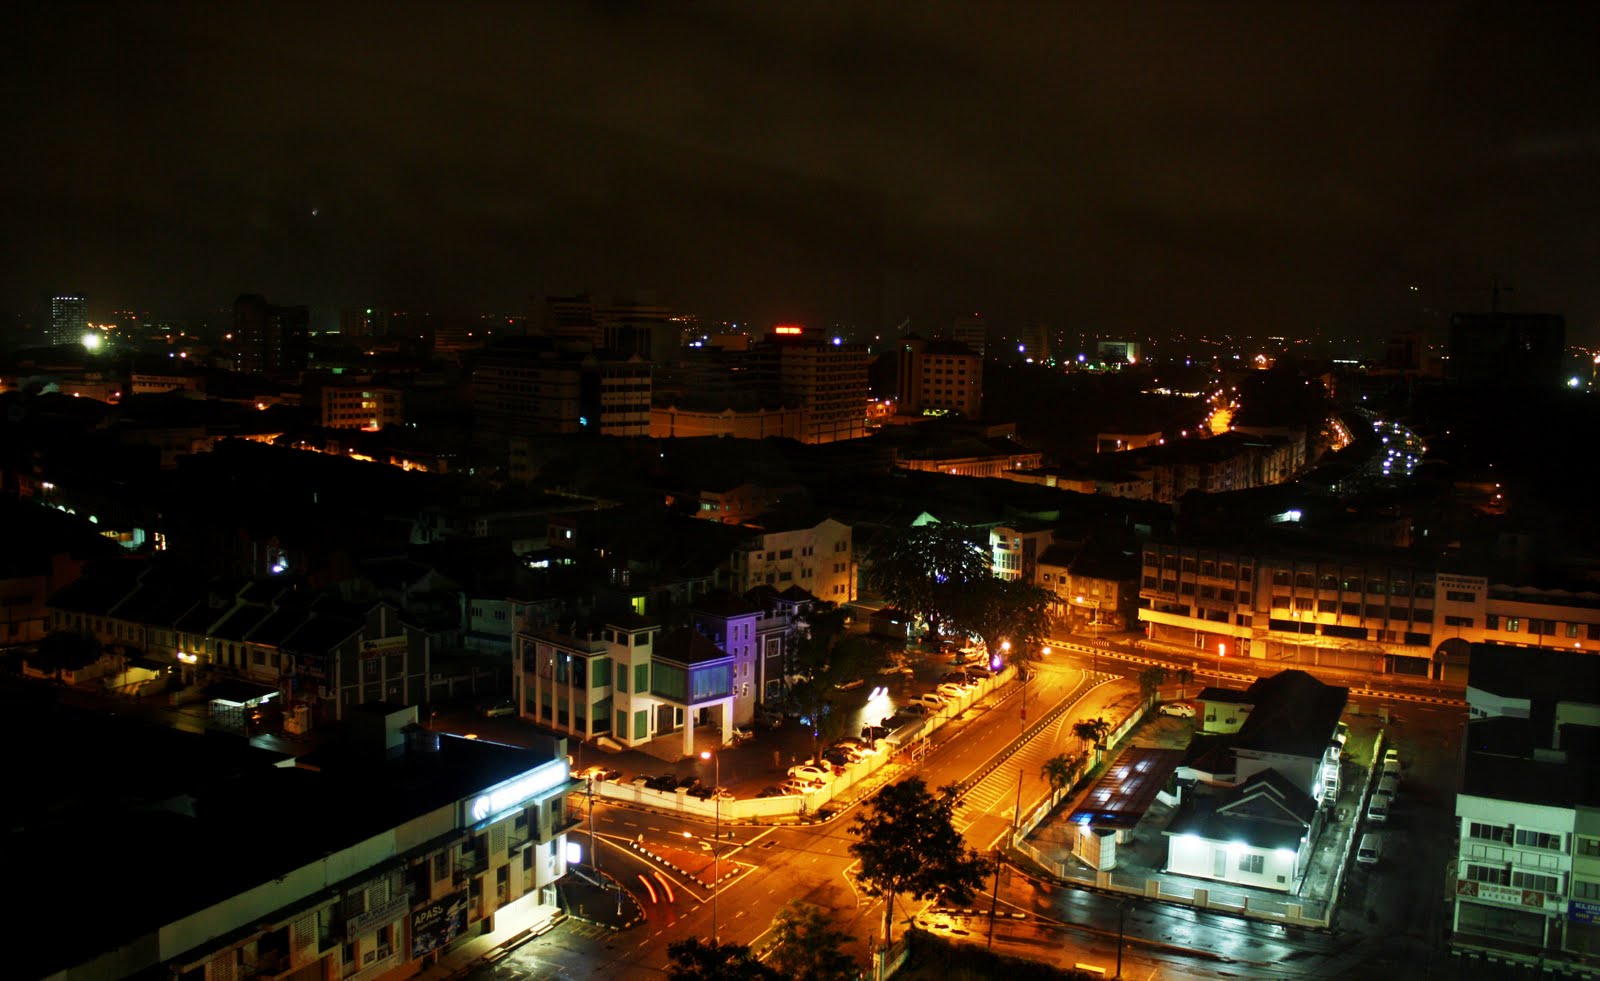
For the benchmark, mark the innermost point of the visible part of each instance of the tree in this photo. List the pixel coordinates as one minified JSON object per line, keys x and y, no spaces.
{"x":1183,"y":676}
{"x":65,"y":650}
{"x":697,"y":960}
{"x":1058,"y":770}
{"x":999,"y":610}
{"x":826,"y":654}
{"x":807,"y":947}
{"x":1150,"y":681}
{"x":924,"y":569}
{"x":1086,"y":731}
{"x":909,"y":844}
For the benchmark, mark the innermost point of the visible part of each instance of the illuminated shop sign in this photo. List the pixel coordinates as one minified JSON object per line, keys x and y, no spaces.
{"x":508,"y":795}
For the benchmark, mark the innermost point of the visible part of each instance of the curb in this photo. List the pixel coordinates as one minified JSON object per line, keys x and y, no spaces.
{"x":678,"y":869}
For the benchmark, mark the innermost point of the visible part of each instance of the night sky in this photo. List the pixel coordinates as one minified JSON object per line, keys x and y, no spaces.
{"x":1121,"y":169}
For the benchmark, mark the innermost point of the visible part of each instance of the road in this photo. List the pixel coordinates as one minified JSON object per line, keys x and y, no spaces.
{"x":1038,"y":920}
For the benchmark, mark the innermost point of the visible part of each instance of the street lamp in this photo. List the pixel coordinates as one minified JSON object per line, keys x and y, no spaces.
{"x":1222,"y":652}
{"x":716,"y":840}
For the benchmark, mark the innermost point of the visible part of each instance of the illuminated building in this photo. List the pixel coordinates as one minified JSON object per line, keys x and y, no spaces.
{"x":373,"y":856}
{"x":824,"y":376}
{"x":938,"y":377}
{"x":362,"y":407}
{"x":69,"y":319}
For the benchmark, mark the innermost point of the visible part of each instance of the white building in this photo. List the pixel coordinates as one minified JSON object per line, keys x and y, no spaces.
{"x":1527,"y":883}
{"x":1253,"y":778}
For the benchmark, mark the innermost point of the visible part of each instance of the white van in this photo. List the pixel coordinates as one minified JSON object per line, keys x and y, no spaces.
{"x":1370,"y":849}
{"x":1388,"y":787}
{"x":1378,"y":809}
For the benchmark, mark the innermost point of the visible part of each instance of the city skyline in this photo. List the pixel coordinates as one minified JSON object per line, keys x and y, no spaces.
{"x":1137,"y":173}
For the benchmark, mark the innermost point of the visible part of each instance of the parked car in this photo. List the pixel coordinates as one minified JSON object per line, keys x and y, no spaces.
{"x":952,"y":691}
{"x":598,"y":772}
{"x":812,"y":771}
{"x":1387,"y":787}
{"x":1391,"y":763}
{"x":929,"y":700}
{"x":862,"y":746}
{"x":1378,"y":808}
{"x":666,"y":782}
{"x":839,"y":756}
{"x":1370,"y":849}
{"x":769,"y":717}
{"x":743,"y":734}
{"x":850,"y":685}
{"x":1182,"y":710}
{"x":498,"y":707}
{"x":874,"y":733}
{"x":979,"y":671}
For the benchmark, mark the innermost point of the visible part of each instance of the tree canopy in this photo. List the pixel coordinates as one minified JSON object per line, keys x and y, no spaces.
{"x":923,"y":569}
{"x":698,"y":960}
{"x":999,"y":610}
{"x":807,"y":947}
{"x":827,"y":654}
{"x":908,"y":843}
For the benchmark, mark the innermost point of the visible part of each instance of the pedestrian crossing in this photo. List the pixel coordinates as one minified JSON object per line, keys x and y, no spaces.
{"x":997,"y":792}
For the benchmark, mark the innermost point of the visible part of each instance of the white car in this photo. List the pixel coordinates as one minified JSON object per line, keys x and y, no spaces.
{"x":951,"y":690}
{"x":1378,"y":809}
{"x":1182,"y":710}
{"x":811,"y":771}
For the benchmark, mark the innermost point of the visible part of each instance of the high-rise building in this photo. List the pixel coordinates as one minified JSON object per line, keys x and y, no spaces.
{"x":524,"y":387}
{"x":69,"y":319}
{"x":973,"y":332}
{"x":1033,"y":343}
{"x":621,"y":328}
{"x":939,"y":376}
{"x":366,"y":322}
{"x":362,"y":407}
{"x":268,"y":339}
{"x":826,"y":377}
{"x":1507,"y":348}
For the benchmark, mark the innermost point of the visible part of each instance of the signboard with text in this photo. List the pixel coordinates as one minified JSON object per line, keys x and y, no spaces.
{"x":436,"y":924}
{"x":382,"y":647}
{"x":1579,"y":911}
{"x":1502,"y":895}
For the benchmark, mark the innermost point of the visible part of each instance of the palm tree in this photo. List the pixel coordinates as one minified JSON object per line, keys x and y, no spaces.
{"x":1086,"y":731}
{"x":1183,"y":676}
{"x":1058,"y":771}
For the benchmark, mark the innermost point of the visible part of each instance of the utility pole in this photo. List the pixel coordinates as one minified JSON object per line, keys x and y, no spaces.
{"x":994,"y":899}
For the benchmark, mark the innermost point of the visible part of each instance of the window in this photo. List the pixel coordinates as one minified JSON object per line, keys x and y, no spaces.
{"x":1493,"y":874}
{"x":1254,"y":864}
{"x":1450,"y":621}
{"x":1585,"y":890}
{"x":1532,"y":880}
{"x":1491,"y":621}
{"x":1572,"y":630}
{"x":1589,"y":847}
{"x":1538,"y":839}
{"x":1280,"y":577}
{"x":1513,"y":624}
{"x":1280,"y":602}
{"x":1489,"y":832}
{"x":1327,"y":606}
{"x":1459,"y":596}
{"x":1350,"y":609}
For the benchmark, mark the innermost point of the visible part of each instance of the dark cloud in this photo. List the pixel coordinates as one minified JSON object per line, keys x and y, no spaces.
{"x":1128,"y":168}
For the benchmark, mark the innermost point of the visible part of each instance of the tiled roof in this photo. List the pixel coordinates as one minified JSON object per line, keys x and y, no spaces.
{"x":1266,"y":811}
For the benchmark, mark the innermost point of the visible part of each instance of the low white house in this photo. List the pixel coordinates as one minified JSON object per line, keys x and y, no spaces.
{"x":1257,"y":834}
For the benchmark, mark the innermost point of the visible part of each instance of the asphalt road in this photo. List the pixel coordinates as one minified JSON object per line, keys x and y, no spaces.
{"x":1392,"y":920}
